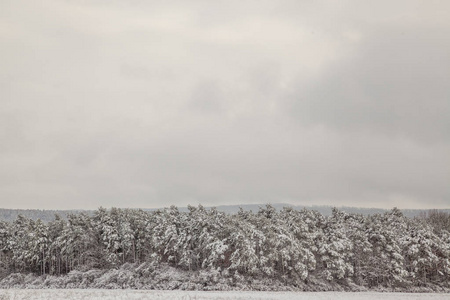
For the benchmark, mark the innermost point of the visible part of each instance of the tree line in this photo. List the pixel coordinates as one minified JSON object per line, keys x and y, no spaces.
{"x":377,"y":250}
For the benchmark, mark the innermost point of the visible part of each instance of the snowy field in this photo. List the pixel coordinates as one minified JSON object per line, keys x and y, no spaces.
{"x":194,"y":295}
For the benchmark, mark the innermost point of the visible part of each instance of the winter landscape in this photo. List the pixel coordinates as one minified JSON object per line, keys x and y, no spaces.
{"x":207,"y":250}
{"x":270,"y":149}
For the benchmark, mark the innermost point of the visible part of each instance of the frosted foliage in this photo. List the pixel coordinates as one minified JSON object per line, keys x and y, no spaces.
{"x":204,"y":249}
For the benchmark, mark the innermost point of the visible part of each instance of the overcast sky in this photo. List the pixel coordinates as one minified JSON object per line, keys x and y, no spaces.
{"x":152,"y":103}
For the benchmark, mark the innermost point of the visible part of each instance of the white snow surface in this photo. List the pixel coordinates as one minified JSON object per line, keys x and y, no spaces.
{"x":93,"y":294}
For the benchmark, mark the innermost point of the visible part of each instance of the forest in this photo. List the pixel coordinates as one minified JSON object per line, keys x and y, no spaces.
{"x":204,"y":249}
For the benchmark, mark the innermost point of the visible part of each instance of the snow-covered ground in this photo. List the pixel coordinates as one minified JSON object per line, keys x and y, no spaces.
{"x":195,"y":295}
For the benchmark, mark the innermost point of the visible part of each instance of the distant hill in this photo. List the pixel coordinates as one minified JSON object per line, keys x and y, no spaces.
{"x":10,"y":215}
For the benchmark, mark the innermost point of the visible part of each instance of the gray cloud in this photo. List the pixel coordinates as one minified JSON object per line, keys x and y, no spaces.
{"x":133,"y":104}
{"x":396,"y":84}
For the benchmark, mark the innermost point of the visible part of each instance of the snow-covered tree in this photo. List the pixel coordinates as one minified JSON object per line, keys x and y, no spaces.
{"x":289,"y":246}
{"x":336,"y":248}
{"x":386,"y":264}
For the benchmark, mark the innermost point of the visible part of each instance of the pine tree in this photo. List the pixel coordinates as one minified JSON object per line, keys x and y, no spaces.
{"x":335,"y":248}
